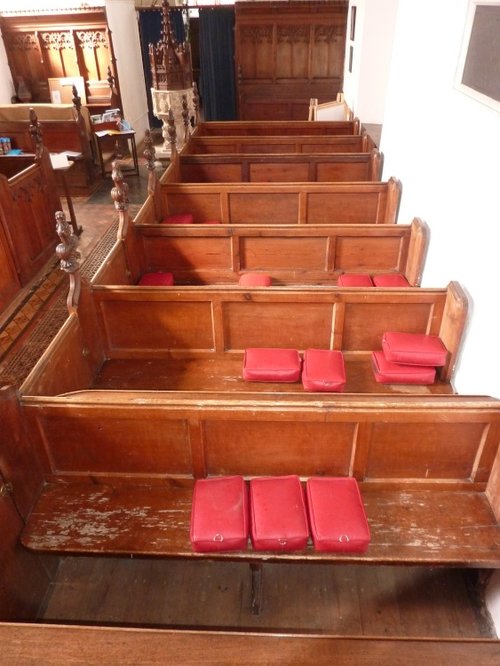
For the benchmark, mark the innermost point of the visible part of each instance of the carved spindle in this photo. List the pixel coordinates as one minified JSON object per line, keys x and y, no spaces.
{"x":69,"y":259}
{"x":114,"y":97}
{"x":196,"y":103}
{"x":36,"y":134}
{"x":185,"y":116}
{"x":172,"y":133}
{"x":77,"y":100}
{"x":150,"y":157}
{"x":119,"y":194}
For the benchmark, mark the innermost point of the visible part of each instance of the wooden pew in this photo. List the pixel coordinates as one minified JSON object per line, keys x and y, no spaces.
{"x":277,"y":128}
{"x":275,"y":203}
{"x":119,"y":468}
{"x":193,"y":339}
{"x":204,"y":254}
{"x":65,"y":127}
{"x":28,"y":202}
{"x":275,"y":168}
{"x":307,"y":143}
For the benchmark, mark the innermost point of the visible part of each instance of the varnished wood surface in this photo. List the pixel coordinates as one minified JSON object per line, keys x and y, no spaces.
{"x":223,"y":373}
{"x":281,"y":203}
{"x":26,"y":645}
{"x":276,"y":127}
{"x":204,"y":254}
{"x":407,"y":526}
{"x":213,"y":168}
{"x":206,"y":145}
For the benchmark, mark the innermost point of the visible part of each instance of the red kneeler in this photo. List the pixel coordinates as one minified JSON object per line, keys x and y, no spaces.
{"x":388,"y":372}
{"x":278,"y":518}
{"x":219,"y":514}
{"x":337,"y":515}
{"x":324,"y":370}
{"x":179,"y":218}
{"x":158,"y":279}
{"x":262,"y":364}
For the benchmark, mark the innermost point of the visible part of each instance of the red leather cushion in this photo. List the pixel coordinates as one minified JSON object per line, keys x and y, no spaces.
{"x":413,"y":348}
{"x":337,"y":515}
{"x":278,"y":518}
{"x":390,"y":280}
{"x":324,"y":370}
{"x":387,"y":372}
{"x":158,"y":279}
{"x":219,"y":514}
{"x":354,"y":280}
{"x":255,"y":280}
{"x":179,"y":218}
{"x":271,"y":365}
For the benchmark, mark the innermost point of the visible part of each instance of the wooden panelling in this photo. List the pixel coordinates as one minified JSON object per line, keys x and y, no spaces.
{"x":274,"y":128}
{"x":286,"y":54}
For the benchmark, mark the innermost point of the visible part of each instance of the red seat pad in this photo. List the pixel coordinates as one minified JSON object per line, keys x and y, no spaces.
{"x":387,"y":372}
{"x":262,"y":364}
{"x":219,"y":514}
{"x":390,"y":280}
{"x":255,"y":280}
{"x":179,"y":218}
{"x":354,"y":280}
{"x":278,"y":518}
{"x":158,"y":279}
{"x":414,"y":348}
{"x":324,"y":370}
{"x":337,"y":515}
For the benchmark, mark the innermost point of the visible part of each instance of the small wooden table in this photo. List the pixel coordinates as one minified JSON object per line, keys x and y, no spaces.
{"x":102,"y":135}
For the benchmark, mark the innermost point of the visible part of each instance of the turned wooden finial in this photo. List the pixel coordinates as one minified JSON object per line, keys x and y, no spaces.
{"x":69,"y":259}
{"x":196,"y":103}
{"x":36,"y":134}
{"x":185,"y":116}
{"x":119,"y":194}
{"x":172,"y":133}
{"x":77,"y":100}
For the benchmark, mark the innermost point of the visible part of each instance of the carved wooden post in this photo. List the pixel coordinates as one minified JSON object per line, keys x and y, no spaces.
{"x":150,"y":157}
{"x":172,"y":134}
{"x":119,"y":194}
{"x":185,"y":117}
{"x":196,"y":103}
{"x":69,"y":259}
{"x":36,"y":134}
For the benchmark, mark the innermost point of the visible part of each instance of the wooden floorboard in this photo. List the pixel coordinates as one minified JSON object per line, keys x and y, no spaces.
{"x":341,"y":600}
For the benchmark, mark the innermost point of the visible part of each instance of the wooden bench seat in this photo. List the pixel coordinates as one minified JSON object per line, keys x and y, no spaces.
{"x":264,"y":168}
{"x":276,"y":128}
{"x":356,"y":143}
{"x":203,"y":254}
{"x":276,"y":203}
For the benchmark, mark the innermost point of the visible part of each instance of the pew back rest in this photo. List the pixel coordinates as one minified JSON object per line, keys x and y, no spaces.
{"x":281,"y":203}
{"x":276,"y":128}
{"x":356,"y":143}
{"x":294,"y":254}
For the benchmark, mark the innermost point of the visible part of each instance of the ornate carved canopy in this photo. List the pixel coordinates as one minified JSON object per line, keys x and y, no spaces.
{"x":170,"y":61}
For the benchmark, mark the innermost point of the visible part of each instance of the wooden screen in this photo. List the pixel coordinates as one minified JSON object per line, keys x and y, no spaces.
{"x":287,"y":53}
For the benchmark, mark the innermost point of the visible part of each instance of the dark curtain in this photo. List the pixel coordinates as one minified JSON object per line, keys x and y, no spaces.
{"x":217,"y":85}
{"x":150,"y":33}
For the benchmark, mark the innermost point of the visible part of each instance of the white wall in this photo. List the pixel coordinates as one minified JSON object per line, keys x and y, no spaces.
{"x":122,"y":21}
{"x":444,"y":147}
{"x":7,"y":89}
{"x":366,"y":87}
